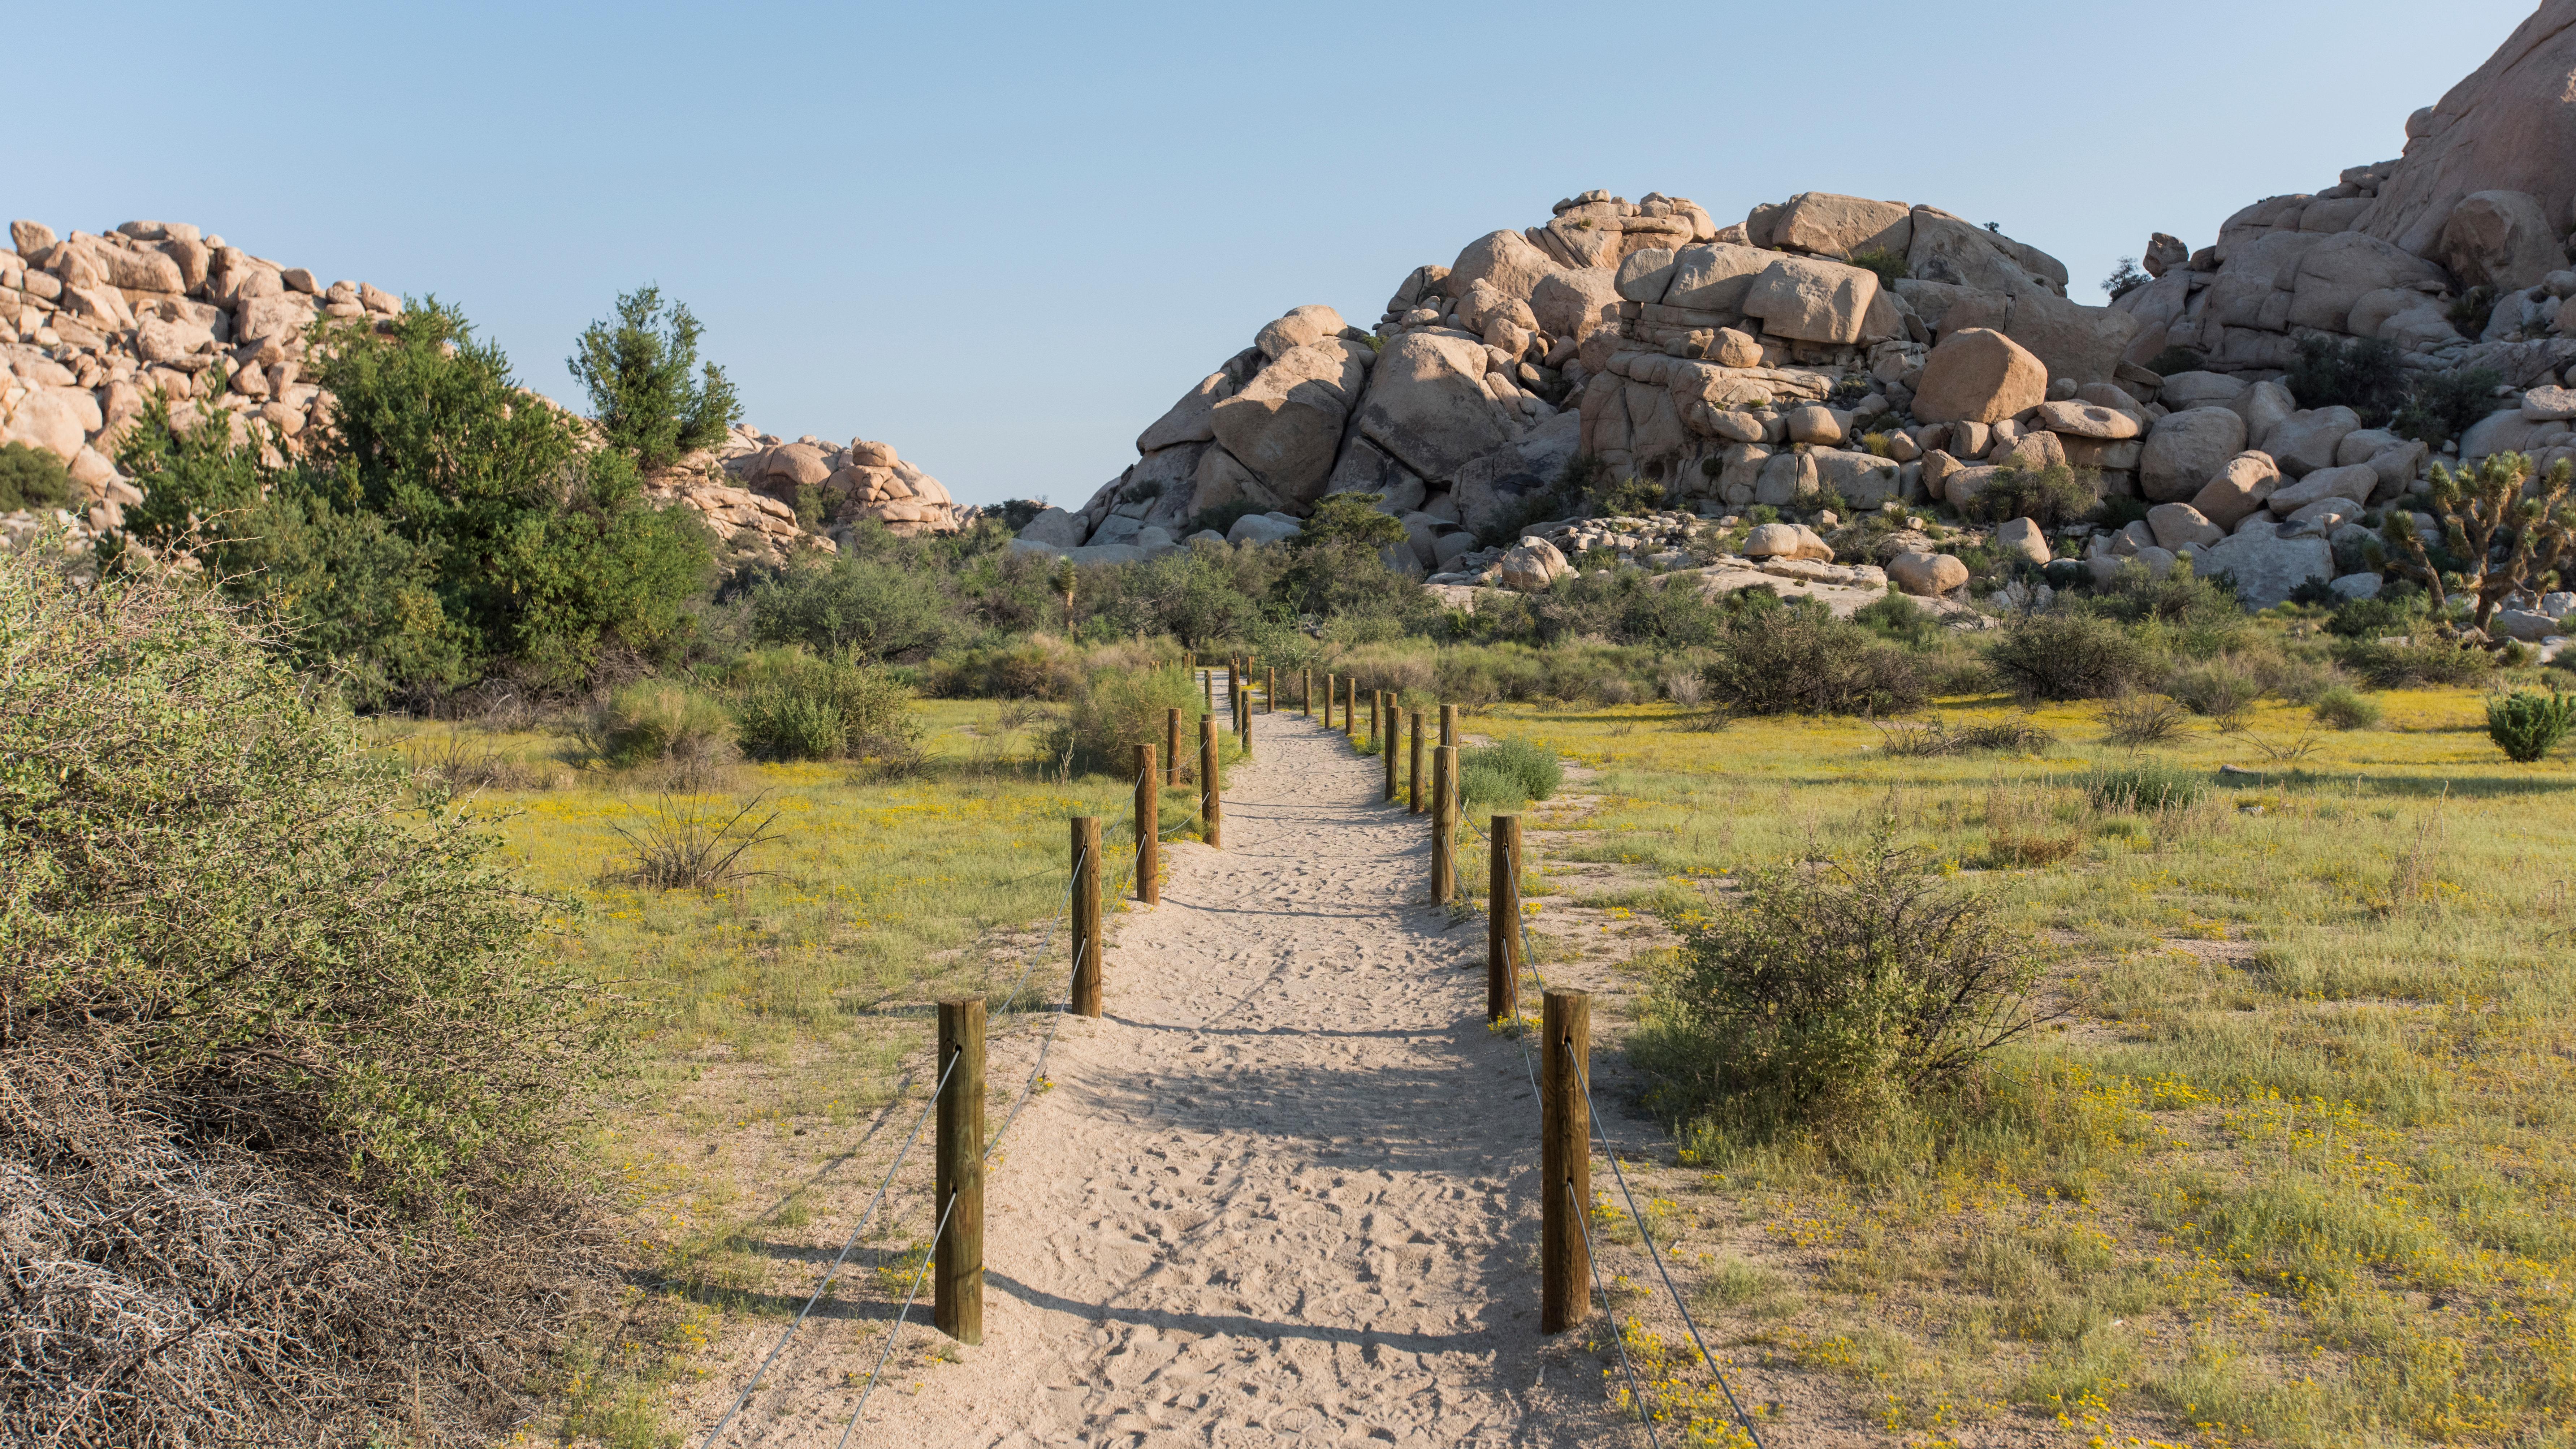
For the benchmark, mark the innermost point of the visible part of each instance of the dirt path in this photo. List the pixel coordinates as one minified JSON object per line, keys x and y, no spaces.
{"x":1281,"y":1192}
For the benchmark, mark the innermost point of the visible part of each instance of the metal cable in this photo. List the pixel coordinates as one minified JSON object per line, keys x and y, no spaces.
{"x":1592,"y":1114}
{"x":928,"y":1257}
{"x":1617,"y":1339}
{"x":834,"y":1271}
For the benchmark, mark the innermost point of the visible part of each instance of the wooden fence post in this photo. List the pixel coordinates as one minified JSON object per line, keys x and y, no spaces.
{"x":1086,"y":915}
{"x":1444,"y":825}
{"x":1306,"y":694}
{"x":1149,"y":843}
{"x":1332,"y":697}
{"x":1243,"y":725}
{"x":1270,"y":692}
{"x":1351,"y":708}
{"x":1172,"y":746}
{"x":1448,"y":724}
{"x":1503,"y":920}
{"x":1565,"y":1161}
{"x":1414,"y":772}
{"x":1207,"y":688}
{"x":1377,"y":724}
{"x":957,"y":1271}
{"x":1211,"y":809}
{"x":1392,"y":741}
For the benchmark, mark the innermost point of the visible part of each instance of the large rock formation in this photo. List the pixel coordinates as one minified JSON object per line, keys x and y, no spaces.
{"x":90,"y":326}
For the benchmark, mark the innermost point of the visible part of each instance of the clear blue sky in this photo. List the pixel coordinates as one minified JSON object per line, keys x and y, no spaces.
{"x":1004,"y":238}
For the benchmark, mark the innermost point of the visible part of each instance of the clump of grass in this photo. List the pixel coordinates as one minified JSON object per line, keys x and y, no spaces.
{"x":2142,"y":787}
{"x":1511,"y":773}
{"x":2143,"y":719}
{"x":2528,"y":724}
{"x":660,"y":721}
{"x":2343,"y":707}
{"x":687,"y":847}
{"x":1933,"y":739}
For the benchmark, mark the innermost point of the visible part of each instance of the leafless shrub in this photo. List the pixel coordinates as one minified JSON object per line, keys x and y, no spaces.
{"x":2132,"y":720}
{"x":685,"y":845}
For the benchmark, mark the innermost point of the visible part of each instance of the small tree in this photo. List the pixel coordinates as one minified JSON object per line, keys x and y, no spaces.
{"x":2506,"y":534}
{"x":638,"y":372}
{"x":2528,"y":724}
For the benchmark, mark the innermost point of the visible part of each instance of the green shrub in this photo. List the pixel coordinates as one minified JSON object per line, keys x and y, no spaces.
{"x":1893,"y":616}
{"x":2065,"y":653}
{"x":2141,"y":786}
{"x":641,"y":394}
{"x":2361,"y":373}
{"x":291,"y":1066}
{"x":1799,"y":659}
{"x":1508,"y":774}
{"x":1890,"y":266}
{"x":1119,"y":709}
{"x":1834,"y":993}
{"x":2217,"y":689}
{"x":660,"y":721}
{"x":2388,"y":613}
{"x":1761,"y":513}
{"x":2176,"y":359}
{"x":853,"y":605}
{"x":33,"y":478}
{"x":793,"y":706}
{"x":1628,"y":498}
{"x":2528,"y":724}
{"x":2446,"y":404}
{"x":2345,"y":708}
{"x":2397,"y":666}
{"x":1221,"y":518}
{"x":2049,"y":496}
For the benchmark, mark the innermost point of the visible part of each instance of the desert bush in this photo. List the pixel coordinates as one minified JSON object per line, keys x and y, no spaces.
{"x":2447,"y":404}
{"x":2066,"y":653}
{"x":688,"y":845}
{"x":1832,"y":993}
{"x":1799,"y":659}
{"x":1034,"y":668}
{"x":2217,"y":689}
{"x":1894,"y":617}
{"x":793,"y":706}
{"x":2176,"y":359}
{"x":2362,"y":374}
{"x":1890,"y":266}
{"x":2397,"y":666}
{"x":2345,"y":708}
{"x":1508,"y":773}
{"x":33,"y":478}
{"x":286,"y":1068}
{"x":659,"y":721}
{"x":641,"y":393}
{"x":2124,"y":279}
{"x":2390,"y":612}
{"x":2049,"y":496}
{"x":1119,"y":709}
{"x":2528,"y":724}
{"x":1934,"y":738}
{"x":2143,"y":785}
{"x":853,"y":605}
{"x":2133,"y":720}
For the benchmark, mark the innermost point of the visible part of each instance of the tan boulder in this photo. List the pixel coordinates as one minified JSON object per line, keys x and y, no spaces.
{"x":1534,"y":564}
{"x":56,"y":419}
{"x":1843,"y":226}
{"x":1504,"y":258}
{"x":2510,"y":125}
{"x":2185,"y":450}
{"x":1427,"y":405}
{"x":2023,"y":538}
{"x":30,"y":237}
{"x":2089,"y":420}
{"x":1926,"y":575}
{"x":2238,"y":490}
{"x":2176,"y":524}
{"x":1812,"y":301}
{"x":1979,"y":375}
{"x":1302,"y":325}
{"x":1715,"y":276}
{"x":1576,"y":301}
{"x":1286,"y":424}
{"x":2499,"y":239}
{"x":1787,"y":540}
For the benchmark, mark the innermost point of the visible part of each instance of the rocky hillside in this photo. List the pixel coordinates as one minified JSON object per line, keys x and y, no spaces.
{"x":1876,"y":354}
{"x":91,"y":325}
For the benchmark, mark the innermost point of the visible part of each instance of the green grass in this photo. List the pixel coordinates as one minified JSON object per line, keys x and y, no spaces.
{"x":2301,"y":1167}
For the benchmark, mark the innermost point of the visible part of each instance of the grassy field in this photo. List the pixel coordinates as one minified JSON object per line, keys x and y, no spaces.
{"x":2296,"y":1167}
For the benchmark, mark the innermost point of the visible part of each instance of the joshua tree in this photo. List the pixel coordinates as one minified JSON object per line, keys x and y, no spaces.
{"x":2506,"y":532}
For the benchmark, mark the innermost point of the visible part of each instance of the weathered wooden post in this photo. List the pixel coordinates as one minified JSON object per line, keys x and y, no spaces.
{"x":1503,"y":920}
{"x":1306,"y":694}
{"x":1444,"y":825}
{"x":1207,"y":688}
{"x":1270,"y":692}
{"x":1565,"y":1161}
{"x":1149,"y":844}
{"x":1086,"y":915}
{"x":1243,"y":725}
{"x":957,"y":1264}
{"x":1332,"y":697}
{"x":1351,"y":708}
{"x":1413,"y":772}
{"x":1211,"y":809}
{"x":1172,"y":746}
{"x":1448,"y":724}
{"x":1377,"y":725}
{"x":1393,"y":741}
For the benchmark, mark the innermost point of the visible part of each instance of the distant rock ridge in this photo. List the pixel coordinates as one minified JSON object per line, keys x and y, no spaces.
{"x":91,"y":325}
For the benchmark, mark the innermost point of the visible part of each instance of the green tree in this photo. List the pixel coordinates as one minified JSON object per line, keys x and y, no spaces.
{"x":874,"y":608}
{"x":638,"y":370}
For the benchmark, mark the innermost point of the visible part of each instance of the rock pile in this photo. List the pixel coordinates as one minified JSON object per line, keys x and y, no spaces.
{"x":90,"y":326}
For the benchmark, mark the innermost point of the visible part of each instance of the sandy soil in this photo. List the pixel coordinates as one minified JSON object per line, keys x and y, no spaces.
{"x":1280,"y":1193}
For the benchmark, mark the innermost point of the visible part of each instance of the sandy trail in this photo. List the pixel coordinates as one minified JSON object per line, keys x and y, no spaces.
{"x":1281,"y":1192}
